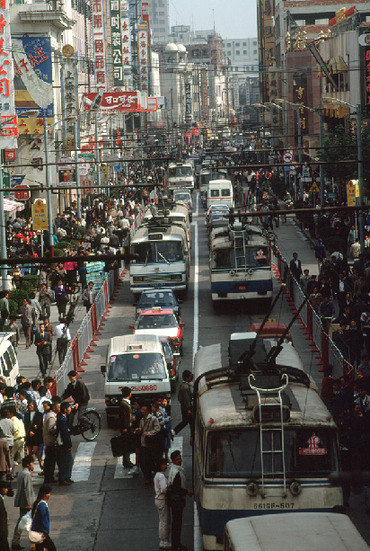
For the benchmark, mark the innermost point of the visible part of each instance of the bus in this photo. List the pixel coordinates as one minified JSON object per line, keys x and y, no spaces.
{"x":264,"y":442}
{"x":160,"y":257}
{"x":304,"y":531}
{"x":180,"y":175}
{"x":177,"y":213}
{"x":240,"y":264}
{"x":205,"y":176}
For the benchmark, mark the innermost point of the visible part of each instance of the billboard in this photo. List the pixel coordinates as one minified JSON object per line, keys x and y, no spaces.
{"x":8,"y":121}
{"x":115,"y":101}
{"x":33,"y":75}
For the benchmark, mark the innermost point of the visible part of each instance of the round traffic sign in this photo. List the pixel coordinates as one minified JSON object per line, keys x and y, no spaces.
{"x":288,"y":157}
{"x":22,"y":193}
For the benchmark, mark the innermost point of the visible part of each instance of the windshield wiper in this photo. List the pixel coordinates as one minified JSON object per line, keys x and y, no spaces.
{"x":165,"y":259}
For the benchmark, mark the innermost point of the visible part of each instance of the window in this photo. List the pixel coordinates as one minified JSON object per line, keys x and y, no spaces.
{"x":237,"y":44}
{"x":245,"y":52}
{"x":229,"y":53}
{"x":237,"y":52}
{"x":125,"y":367}
{"x":244,"y":43}
{"x":254,"y":52}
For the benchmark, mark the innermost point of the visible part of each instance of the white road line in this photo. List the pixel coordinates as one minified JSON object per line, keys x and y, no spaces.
{"x":120,"y":472}
{"x":82,"y":464}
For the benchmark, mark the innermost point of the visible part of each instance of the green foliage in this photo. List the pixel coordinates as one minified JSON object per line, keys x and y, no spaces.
{"x":28,"y":283}
{"x":13,"y":307}
{"x":339,"y":145}
{"x":69,"y":243}
{"x":16,"y":298}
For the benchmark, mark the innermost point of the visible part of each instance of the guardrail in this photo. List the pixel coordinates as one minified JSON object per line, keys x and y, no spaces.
{"x":314,"y":330}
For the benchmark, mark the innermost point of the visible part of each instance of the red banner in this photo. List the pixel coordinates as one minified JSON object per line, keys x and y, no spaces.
{"x":115,"y":101}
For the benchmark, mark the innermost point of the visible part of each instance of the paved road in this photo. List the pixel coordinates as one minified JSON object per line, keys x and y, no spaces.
{"x":107,"y":509}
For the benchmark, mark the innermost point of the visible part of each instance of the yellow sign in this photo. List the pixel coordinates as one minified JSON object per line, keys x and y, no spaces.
{"x":314,"y":188}
{"x":352,"y":193}
{"x":33,"y":126}
{"x":39,"y":215}
{"x":68,"y":50}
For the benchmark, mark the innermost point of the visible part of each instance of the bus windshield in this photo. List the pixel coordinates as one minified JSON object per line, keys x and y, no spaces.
{"x":126,"y":367}
{"x":236,"y":454}
{"x":179,"y":171}
{"x":254,"y":257}
{"x":158,"y":251}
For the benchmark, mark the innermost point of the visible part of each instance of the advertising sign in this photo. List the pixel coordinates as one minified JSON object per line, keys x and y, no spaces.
{"x":39,"y":215}
{"x":68,"y":75}
{"x":116,"y":45}
{"x":367,"y":79}
{"x":115,"y":101}
{"x":143,"y":54}
{"x":67,"y":172}
{"x":126,"y":42}
{"x":8,"y":120}
{"x":33,"y":76}
{"x":99,"y":44}
{"x":352,"y":193}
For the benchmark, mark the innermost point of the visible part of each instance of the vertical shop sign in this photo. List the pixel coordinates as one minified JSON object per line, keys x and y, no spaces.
{"x":9,"y":130}
{"x":99,"y":48}
{"x":143,"y":52}
{"x":126,"y":40}
{"x":115,"y":25}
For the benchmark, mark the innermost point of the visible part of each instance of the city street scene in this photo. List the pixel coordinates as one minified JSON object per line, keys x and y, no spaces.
{"x":184,"y":275}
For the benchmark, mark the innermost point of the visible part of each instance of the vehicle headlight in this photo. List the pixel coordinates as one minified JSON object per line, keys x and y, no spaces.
{"x":114,"y":401}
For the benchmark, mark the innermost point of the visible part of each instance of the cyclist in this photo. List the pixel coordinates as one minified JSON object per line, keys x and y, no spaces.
{"x":80,"y":394}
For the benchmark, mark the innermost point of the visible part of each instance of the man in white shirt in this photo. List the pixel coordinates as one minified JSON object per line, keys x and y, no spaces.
{"x":63,"y":338}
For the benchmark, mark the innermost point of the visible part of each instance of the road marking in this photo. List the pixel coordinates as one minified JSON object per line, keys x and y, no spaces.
{"x":82,"y":464}
{"x":120,"y":472}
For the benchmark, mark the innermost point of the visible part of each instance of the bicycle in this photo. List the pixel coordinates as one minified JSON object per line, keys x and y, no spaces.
{"x":89,"y":425}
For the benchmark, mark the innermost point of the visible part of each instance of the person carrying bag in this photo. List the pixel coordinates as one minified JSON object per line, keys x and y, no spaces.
{"x":40,"y":528}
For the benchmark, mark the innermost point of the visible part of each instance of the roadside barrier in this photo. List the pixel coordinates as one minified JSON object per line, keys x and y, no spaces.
{"x":328,"y":353}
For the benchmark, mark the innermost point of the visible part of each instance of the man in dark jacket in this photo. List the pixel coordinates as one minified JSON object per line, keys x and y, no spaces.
{"x":65,"y":459}
{"x":295,"y":267}
{"x":43,"y":347}
{"x":4,"y":545}
{"x":79,"y":392}
{"x":125,"y":422}
{"x":185,"y":397}
{"x":176,"y":497}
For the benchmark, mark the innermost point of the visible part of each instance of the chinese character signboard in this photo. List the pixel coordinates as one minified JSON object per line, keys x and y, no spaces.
{"x":367,"y":79}
{"x":143,"y":54}
{"x":8,"y":120}
{"x":126,"y":43}
{"x":39,"y":215}
{"x":67,"y":172}
{"x":188,"y":99}
{"x":116,"y":45}
{"x":115,"y":101}
{"x":33,"y":79}
{"x":99,"y":48}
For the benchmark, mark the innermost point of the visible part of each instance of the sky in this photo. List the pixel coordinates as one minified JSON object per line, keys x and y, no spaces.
{"x":233,"y":18}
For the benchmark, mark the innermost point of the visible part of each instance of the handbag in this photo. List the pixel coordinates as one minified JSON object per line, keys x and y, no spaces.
{"x":35,"y":537}
{"x":156,"y":440}
{"x":26,"y":522}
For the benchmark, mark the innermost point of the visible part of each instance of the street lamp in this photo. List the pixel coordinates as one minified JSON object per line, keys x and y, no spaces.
{"x":357,"y":109}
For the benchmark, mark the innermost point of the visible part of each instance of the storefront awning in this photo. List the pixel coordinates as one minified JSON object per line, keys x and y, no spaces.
{"x":12,"y":206}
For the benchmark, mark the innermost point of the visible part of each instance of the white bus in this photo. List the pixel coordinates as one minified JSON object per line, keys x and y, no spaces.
{"x":220,"y":191}
{"x":180,"y":175}
{"x":160,"y":257}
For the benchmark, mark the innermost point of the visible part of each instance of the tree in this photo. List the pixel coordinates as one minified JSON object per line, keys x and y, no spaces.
{"x":339,"y":145}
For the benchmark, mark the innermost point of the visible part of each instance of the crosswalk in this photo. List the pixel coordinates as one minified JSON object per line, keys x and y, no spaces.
{"x":84,"y":458}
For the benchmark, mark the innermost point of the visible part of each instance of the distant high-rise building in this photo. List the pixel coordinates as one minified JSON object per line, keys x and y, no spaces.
{"x":242,"y":53}
{"x":159,"y":20}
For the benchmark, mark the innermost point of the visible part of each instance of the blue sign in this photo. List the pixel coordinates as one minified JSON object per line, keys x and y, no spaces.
{"x":16,"y":179}
{"x":33,"y":75}
{"x":117,"y":168}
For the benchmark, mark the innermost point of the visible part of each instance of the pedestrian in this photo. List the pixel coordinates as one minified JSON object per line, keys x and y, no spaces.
{"x":7,"y":431}
{"x":149,"y":427}
{"x":304,"y":280}
{"x":27,"y":320}
{"x":185,"y":397}
{"x":33,"y":423}
{"x":41,"y":519}
{"x":320,"y":253}
{"x":5,"y":461}
{"x":160,"y":488}
{"x":19,"y":433}
{"x":45,"y":300}
{"x":295,"y":267}
{"x":176,"y":495}
{"x":65,"y":459}
{"x":4,"y":544}
{"x":24,"y":497}
{"x":4,"y":309}
{"x":88,"y":296}
{"x":50,"y":439}
{"x":125,"y":424}
{"x":61,"y":299}
{"x":63,"y":338}
{"x":43,"y":347}
{"x":77,"y":390}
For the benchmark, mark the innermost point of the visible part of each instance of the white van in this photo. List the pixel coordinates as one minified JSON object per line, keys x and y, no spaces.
{"x":9,"y":368}
{"x":220,"y":191}
{"x":137,"y":361}
{"x":293,"y":531}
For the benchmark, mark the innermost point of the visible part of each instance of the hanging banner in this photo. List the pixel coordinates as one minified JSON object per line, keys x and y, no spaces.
{"x":143,"y":54}
{"x":68,"y":77}
{"x":33,"y":77}
{"x":40,"y":215}
{"x":126,"y":43}
{"x":367,"y":79}
{"x":116,"y":44}
{"x":8,"y":119}
{"x":99,"y":48}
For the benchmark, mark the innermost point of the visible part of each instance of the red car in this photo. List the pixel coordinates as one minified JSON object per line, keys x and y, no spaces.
{"x":161,"y":322}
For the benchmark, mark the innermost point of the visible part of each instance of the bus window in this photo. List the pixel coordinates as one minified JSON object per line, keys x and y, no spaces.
{"x":222,"y":258}
{"x":225,"y":192}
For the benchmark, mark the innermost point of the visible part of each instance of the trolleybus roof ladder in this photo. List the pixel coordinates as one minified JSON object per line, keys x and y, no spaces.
{"x":276,"y":449}
{"x":239,"y":238}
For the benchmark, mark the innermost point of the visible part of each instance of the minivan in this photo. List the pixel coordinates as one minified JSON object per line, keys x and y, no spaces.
{"x":137,"y":361}
{"x":9,"y":368}
{"x":220,"y":191}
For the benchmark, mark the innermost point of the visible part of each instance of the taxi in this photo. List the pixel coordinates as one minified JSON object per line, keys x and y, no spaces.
{"x":162,"y":322}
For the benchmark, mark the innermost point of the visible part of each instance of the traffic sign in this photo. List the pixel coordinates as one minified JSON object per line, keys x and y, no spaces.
{"x":314,"y":188}
{"x":22,"y":193}
{"x":288,"y":157}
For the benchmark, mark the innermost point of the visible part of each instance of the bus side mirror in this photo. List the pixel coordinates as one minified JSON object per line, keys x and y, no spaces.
{"x":131,"y":326}
{"x":103,"y":369}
